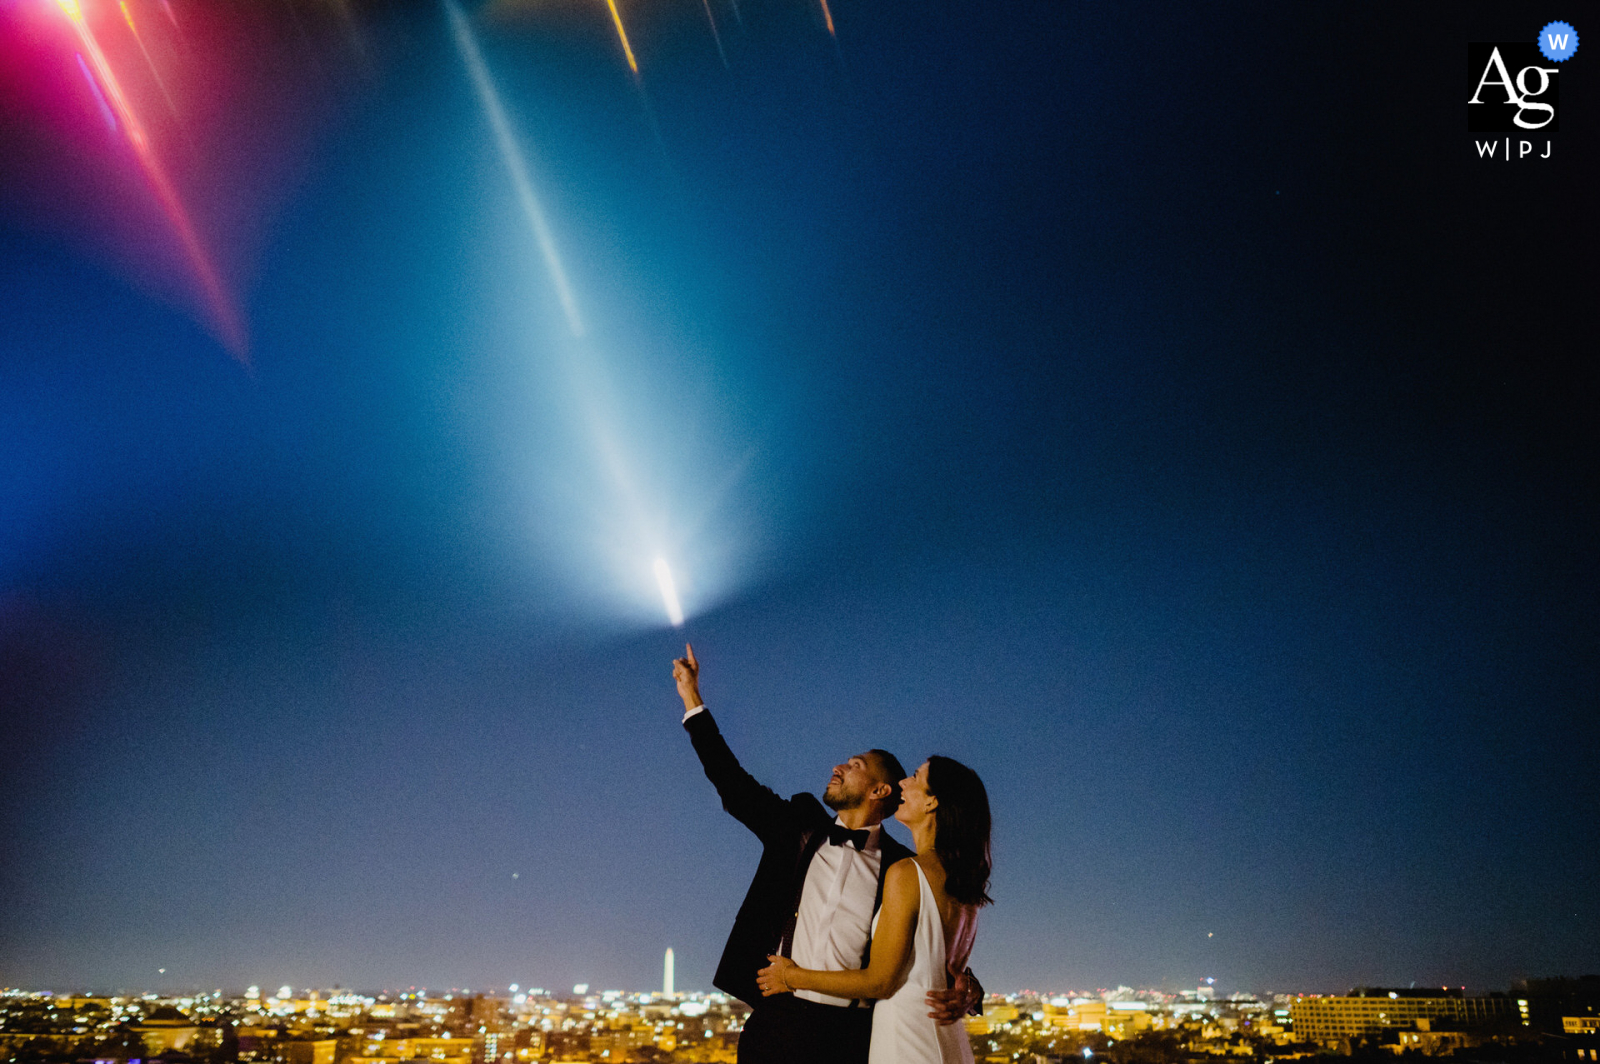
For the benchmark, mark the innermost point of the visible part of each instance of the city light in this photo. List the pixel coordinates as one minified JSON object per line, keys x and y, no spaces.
{"x":390,"y":1028}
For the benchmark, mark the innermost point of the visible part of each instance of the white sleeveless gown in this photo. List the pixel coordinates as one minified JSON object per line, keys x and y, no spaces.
{"x":902,"y":1032}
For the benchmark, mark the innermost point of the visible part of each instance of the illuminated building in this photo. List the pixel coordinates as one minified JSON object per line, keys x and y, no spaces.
{"x":309,"y":1051}
{"x":434,"y":1050}
{"x":1584,"y":1033}
{"x":996,"y":1014}
{"x":165,"y":1029}
{"x":1559,"y":1007}
{"x":617,"y":1043}
{"x":1370,"y":1011}
{"x":666,"y":975}
{"x":1119,"y":1019}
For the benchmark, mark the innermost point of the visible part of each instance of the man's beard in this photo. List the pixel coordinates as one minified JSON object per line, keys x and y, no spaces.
{"x":838,"y":799}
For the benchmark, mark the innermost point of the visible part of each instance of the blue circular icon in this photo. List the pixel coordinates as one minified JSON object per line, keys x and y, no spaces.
{"x":1558,"y":41}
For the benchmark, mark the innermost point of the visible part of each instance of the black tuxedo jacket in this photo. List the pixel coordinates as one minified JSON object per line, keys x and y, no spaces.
{"x":791,"y":830}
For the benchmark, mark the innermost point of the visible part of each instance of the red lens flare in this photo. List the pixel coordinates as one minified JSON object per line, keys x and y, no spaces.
{"x":225,"y":316}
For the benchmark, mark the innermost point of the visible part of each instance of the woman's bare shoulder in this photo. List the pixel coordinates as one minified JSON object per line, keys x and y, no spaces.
{"x":902,"y":871}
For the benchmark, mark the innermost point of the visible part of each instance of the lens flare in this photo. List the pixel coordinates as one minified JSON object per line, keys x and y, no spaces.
{"x":99,"y":97}
{"x":669,"y":592}
{"x":622,"y":35}
{"x":225,"y":316}
{"x":714,"y":34}
{"x":149,"y":62}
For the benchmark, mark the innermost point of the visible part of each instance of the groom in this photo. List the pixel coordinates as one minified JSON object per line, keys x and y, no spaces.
{"x":819,"y":883}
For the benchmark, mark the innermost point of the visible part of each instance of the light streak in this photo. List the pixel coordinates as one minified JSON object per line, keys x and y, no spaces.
{"x":827,"y":16}
{"x":99,"y":97}
{"x":516,"y":166}
{"x":352,"y":32}
{"x":222,"y":309}
{"x":669,"y":592}
{"x":714,"y":34}
{"x":622,"y":35}
{"x":151,"y":63}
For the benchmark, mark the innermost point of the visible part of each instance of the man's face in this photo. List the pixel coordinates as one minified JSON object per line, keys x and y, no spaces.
{"x":851,"y":783}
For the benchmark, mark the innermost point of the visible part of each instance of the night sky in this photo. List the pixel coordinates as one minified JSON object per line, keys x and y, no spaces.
{"x":1161,"y":409}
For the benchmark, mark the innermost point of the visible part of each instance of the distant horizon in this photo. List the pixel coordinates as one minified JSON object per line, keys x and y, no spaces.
{"x":504,"y":991}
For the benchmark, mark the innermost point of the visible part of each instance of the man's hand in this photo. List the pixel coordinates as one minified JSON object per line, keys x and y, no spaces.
{"x":948,"y":1006}
{"x":686,"y":671}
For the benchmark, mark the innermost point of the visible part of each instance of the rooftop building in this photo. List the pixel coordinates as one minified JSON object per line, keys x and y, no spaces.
{"x":1371,"y":1011}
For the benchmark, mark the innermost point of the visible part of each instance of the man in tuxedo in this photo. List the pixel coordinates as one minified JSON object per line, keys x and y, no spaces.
{"x":815,"y":892}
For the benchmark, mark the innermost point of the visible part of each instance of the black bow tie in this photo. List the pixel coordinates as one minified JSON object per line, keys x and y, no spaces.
{"x":840,"y":836}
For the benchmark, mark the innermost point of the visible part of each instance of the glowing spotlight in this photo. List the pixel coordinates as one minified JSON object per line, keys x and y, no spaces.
{"x":669,"y":592}
{"x":511,"y":155}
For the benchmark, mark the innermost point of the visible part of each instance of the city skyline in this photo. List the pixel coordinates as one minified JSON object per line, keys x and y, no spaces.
{"x":1538,"y":1020}
{"x":1206,"y":990}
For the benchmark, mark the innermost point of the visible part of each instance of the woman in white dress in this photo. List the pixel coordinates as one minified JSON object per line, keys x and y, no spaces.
{"x":926,"y":927}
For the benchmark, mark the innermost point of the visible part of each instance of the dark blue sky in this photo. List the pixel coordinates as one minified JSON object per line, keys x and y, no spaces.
{"x":1164,"y":412}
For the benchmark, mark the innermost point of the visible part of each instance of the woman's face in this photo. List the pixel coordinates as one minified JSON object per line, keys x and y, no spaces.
{"x":915,"y":801}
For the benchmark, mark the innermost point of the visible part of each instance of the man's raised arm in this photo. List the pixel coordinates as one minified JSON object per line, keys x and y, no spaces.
{"x":753,"y":805}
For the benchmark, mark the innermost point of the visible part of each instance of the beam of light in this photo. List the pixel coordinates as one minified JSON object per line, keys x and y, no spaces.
{"x":151,"y":63}
{"x":622,"y":35}
{"x":669,"y":592}
{"x":99,"y":97}
{"x":511,"y":155}
{"x":627,"y":533}
{"x":714,"y":34}
{"x":221,"y":306}
{"x":827,"y":16}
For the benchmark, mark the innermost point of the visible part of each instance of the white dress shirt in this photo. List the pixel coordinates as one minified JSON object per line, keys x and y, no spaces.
{"x":835,"y":922}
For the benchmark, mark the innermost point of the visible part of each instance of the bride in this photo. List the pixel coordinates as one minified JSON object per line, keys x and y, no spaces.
{"x":927,"y":925}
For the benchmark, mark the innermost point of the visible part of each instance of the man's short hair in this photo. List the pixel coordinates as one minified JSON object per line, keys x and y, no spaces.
{"x":890,"y":771}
